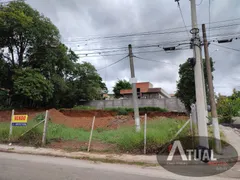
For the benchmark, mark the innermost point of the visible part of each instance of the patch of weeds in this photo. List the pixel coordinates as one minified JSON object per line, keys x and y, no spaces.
{"x":39,"y":117}
{"x":83,"y":148}
{"x":33,"y":137}
{"x":83,"y":108}
{"x":99,"y":130}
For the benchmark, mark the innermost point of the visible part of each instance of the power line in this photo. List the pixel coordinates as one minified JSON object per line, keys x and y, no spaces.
{"x":137,"y":47}
{"x":112,"y":63}
{"x":179,"y":7}
{"x":226,"y":47}
{"x":112,"y":51}
{"x":118,"y":49}
{"x":138,"y":52}
{"x":101,"y":55}
{"x":145,"y":33}
{"x":137,"y":40}
{"x":154,"y":60}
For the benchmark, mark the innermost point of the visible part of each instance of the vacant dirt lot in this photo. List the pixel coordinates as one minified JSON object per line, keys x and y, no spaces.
{"x":83,"y":118}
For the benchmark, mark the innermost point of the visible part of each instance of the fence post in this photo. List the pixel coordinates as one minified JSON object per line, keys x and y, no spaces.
{"x":10,"y":130}
{"x":45,"y":129}
{"x":90,"y":138}
{"x":145,"y":133}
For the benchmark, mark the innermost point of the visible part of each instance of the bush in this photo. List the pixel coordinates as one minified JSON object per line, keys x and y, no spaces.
{"x":33,"y":137}
{"x":83,"y":108}
{"x":152,"y":109}
{"x":125,"y":111}
{"x":120,"y":110}
{"x":39,"y":117}
{"x":228,"y":108}
{"x":4,"y":133}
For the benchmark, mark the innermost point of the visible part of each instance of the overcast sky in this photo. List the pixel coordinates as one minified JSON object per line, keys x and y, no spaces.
{"x":80,"y":19}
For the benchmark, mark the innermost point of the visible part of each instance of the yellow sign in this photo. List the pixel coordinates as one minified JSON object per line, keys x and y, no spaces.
{"x":19,"y":120}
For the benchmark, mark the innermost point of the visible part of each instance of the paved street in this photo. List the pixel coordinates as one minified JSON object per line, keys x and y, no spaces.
{"x":31,"y":167}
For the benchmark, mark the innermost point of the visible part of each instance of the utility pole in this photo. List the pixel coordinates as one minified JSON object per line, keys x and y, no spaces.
{"x":134,"y":90}
{"x":211,"y":92}
{"x":204,"y":89}
{"x":201,"y":106}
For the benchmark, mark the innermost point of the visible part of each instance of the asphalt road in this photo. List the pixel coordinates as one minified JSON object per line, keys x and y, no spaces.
{"x":30,"y":167}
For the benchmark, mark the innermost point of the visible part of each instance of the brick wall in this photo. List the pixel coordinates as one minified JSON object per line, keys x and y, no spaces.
{"x":144,"y":86}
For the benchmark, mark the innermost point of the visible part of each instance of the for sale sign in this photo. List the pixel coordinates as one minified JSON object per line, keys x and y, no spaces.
{"x":19,"y":120}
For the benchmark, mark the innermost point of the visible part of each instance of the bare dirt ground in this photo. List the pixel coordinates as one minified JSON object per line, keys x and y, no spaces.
{"x":83,"y":118}
{"x":5,"y":116}
{"x":75,"y":145}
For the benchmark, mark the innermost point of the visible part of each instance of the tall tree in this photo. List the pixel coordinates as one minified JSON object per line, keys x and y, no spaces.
{"x":84,"y":84}
{"x":32,"y":87}
{"x":33,"y":61}
{"x":121,"y":84}
{"x":22,"y":28}
{"x":186,"y":84}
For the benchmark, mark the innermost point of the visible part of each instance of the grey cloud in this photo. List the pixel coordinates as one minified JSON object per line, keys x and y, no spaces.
{"x":82,"y":18}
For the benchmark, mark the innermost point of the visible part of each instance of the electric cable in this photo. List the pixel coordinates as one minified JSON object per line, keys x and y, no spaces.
{"x":154,"y":60}
{"x":112,"y":63}
{"x":226,"y":47}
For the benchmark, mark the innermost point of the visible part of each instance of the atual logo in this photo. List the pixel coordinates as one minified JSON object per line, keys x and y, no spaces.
{"x":184,"y":156}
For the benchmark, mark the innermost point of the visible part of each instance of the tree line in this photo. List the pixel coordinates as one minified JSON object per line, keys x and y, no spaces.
{"x":36,"y":68}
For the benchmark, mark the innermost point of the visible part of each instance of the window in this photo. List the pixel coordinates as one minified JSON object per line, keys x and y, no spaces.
{"x":138,"y":93}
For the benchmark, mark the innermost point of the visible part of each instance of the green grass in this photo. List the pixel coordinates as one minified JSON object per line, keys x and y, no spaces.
{"x":83,"y":108}
{"x":58,"y":131}
{"x":126,"y":139}
{"x":32,"y":138}
{"x":158,"y":133}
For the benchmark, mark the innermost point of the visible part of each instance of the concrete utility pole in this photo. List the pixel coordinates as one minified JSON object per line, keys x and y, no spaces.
{"x":134,"y":90}
{"x":201,"y":106}
{"x":204,"y":88}
{"x":211,"y":92}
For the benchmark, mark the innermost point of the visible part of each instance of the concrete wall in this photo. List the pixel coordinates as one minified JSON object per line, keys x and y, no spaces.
{"x":172,"y":104}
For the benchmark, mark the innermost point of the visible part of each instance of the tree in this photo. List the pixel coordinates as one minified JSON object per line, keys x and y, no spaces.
{"x":121,"y":84}
{"x":21,"y":29}
{"x":31,"y":87}
{"x":84,"y":84}
{"x":36,"y":69}
{"x":186,"y":84}
{"x":228,"y":106}
{"x":55,"y":63}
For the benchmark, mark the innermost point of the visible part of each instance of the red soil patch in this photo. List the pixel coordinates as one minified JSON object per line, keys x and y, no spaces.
{"x":103,"y":119}
{"x":87,"y":113}
{"x":5,"y":116}
{"x":83,"y":118}
{"x":79,"y":122}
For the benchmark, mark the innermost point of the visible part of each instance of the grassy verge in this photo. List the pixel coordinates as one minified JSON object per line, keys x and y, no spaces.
{"x":31,"y":138}
{"x":125,"y":111}
{"x":159,"y":132}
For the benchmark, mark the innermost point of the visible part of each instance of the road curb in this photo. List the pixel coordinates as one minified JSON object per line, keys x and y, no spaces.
{"x":109,"y":158}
